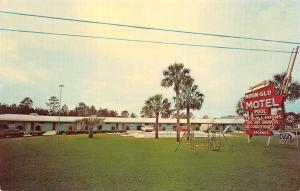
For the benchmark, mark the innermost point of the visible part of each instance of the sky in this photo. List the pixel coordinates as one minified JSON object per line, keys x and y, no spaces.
{"x":122,"y":75}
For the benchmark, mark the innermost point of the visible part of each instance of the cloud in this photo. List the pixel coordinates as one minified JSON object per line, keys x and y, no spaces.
{"x":15,"y":69}
{"x":22,"y":74}
{"x":12,"y":74}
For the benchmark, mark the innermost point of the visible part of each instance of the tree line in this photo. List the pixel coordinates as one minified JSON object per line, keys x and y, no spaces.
{"x":26,"y":107}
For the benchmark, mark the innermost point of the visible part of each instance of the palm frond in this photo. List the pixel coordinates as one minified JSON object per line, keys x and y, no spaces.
{"x":293,"y":91}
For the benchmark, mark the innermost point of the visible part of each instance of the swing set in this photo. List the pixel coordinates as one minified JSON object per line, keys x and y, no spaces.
{"x":213,"y":140}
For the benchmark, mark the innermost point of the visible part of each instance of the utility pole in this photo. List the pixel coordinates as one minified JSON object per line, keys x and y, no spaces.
{"x":61,"y":86}
{"x":289,"y":71}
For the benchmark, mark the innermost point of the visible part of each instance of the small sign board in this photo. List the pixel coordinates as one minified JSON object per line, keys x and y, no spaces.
{"x":290,"y":118}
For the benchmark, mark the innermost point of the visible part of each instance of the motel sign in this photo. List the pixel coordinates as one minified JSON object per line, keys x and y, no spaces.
{"x":264,"y":111}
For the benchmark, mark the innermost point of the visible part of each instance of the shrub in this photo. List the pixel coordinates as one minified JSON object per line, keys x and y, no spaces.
{"x":11,"y":133}
{"x":60,"y":132}
{"x":37,"y":133}
{"x":83,"y":132}
{"x":71,"y":132}
{"x":113,"y":131}
{"x":3,"y":126}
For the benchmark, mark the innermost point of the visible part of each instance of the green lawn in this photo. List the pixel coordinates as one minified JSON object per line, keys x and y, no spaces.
{"x":110,"y":162}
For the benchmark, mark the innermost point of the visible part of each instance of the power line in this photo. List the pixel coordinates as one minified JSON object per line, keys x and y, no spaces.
{"x":151,"y":28}
{"x":143,"y":41}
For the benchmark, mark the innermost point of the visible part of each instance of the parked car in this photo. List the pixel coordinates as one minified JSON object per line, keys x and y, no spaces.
{"x":147,"y":128}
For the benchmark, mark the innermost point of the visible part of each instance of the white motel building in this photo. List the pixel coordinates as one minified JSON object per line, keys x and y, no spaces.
{"x":36,"y":122}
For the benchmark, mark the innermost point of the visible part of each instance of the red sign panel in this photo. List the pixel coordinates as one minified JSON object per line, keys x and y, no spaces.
{"x":181,"y":128}
{"x":261,"y":101}
{"x":263,"y":122}
{"x":264,"y":109}
{"x":259,"y":132}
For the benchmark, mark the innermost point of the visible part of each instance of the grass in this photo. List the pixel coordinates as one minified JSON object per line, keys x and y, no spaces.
{"x":109,"y":162}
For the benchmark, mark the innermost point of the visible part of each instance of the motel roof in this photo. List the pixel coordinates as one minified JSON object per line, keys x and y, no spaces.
{"x":37,"y":118}
{"x":69,"y":119}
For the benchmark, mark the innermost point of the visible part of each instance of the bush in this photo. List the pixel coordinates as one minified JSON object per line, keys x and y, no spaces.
{"x":83,"y":132}
{"x":11,"y":133}
{"x":74,"y":132}
{"x":3,"y":127}
{"x":37,"y":133}
{"x":60,"y":132}
{"x":71,"y":132}
{"x":113,"y":131}
{"x":97,"y":132}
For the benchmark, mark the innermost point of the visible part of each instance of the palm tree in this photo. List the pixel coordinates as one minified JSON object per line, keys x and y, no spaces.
{"x":293,"y":90}
{"x":190,"y":98}
{"x":175,"y":76}
{"x":146,"y":112}
{"x":156,"y":106}
{"x":91,"y":122}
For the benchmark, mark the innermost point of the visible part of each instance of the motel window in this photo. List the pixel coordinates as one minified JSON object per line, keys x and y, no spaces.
{"x":38,"y":128}
{"x":99,"y":127}
{"x":20,"y":127}
{"x":139,"y":127}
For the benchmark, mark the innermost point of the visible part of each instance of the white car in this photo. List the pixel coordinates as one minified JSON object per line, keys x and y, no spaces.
{"x":147,"y":128}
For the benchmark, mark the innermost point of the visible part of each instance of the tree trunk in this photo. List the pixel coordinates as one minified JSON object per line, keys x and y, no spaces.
{"x":188,"y":122}
{"x":156,"y":127}
{"x":91,"y":135}
{"x":177,"y":117}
